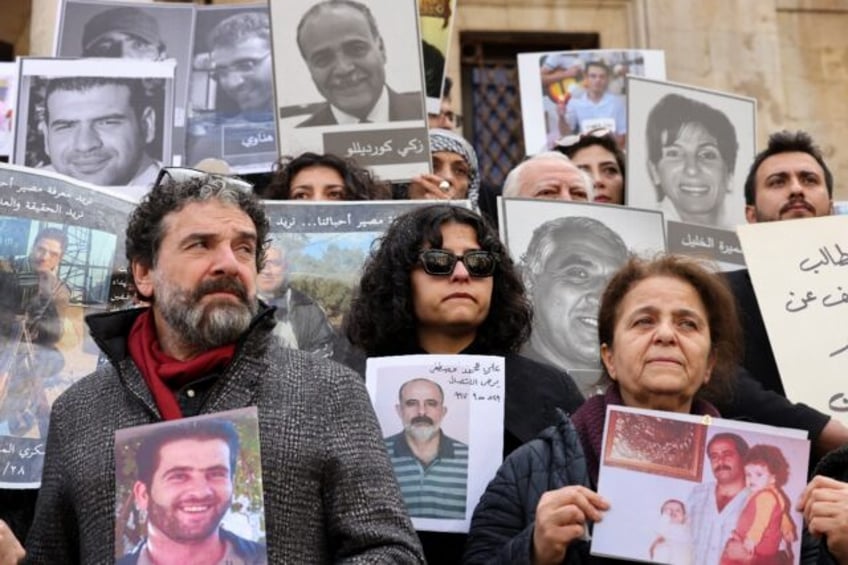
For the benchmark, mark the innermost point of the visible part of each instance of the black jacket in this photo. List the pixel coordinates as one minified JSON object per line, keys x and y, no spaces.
{"x":502,"y":525}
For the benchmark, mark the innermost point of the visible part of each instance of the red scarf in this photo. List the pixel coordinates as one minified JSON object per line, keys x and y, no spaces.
{"x":164,"y":374}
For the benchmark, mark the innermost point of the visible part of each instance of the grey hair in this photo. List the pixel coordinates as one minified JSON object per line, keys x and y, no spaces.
{"x":512,"y":184}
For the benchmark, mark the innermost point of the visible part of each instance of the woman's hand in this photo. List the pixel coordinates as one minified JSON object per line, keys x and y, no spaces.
{"x":824,"y":503}
{"x":431,"y":187}
{"x":561,"y":517}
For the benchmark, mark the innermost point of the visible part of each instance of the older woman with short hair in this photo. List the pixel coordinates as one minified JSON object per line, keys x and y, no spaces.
{"x":669,"y":340}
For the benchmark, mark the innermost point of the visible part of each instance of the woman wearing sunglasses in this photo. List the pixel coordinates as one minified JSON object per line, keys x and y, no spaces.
{"x":441,"y":282}
{"x":597,"y":152}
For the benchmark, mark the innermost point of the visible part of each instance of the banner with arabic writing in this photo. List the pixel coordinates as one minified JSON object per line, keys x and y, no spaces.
{"x":800,"y":275}
{"x":314,"y":263}
{"x":60,"y":241}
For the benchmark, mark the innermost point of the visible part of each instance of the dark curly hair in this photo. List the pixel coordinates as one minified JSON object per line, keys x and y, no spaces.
{"x":382,"y":319}
{"x":786,"y":142}
{"x":725,"y":332}
{"x":359,"y":183}
{"x":146,"y":227}
{"x":772,"y":458}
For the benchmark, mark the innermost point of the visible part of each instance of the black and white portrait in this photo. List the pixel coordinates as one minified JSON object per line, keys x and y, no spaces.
{"x":690,"y":154}
{"x":349,"y":81}
{"x":95,"y":120}
{"x":231,"y":107}
{"x":567,"y":252}
{"x":146,"y":32}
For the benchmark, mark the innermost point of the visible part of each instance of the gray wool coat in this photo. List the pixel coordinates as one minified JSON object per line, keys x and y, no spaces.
{"x":330,"y":492}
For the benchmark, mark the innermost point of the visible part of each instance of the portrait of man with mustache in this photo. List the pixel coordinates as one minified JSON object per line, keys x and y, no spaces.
{"x":431,"y":467}
{"x":346,"y":57}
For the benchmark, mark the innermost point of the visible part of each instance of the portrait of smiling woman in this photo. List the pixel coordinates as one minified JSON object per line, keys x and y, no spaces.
{"x":692,"y":150}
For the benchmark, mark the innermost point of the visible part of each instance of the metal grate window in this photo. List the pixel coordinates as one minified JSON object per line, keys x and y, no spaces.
{"x":491,"y":102}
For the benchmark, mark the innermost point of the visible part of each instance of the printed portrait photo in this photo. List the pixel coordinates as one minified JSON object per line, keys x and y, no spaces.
{"x":231,"y":97}
{"x":138,"y":32}
{"x":567,"y":93}
{"x":431,"y":410}
{"x":691,"y":152}
{"x":193,"y":484}
{"x":96,"y":120}
{"x":567,"y":251}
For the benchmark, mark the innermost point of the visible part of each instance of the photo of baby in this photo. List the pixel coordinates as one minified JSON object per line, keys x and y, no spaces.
{"x":673,"y":543}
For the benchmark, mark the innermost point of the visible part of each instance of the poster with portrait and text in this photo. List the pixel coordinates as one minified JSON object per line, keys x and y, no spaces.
{"x":662,"y":472}
{"x":572,"y":92}
{"x":349,"y":81}
{"x":231,"y":89}
{"x":191,"y":485}
{"x":802,"y":290}
{"x":689,"y":151}
{"x":133,"y":32}
{"x":61,"y":258}
{"x":313,"y":263}
{"x":96,"y":120}
{"x":445,"y":414}
{"x":566,"y":253}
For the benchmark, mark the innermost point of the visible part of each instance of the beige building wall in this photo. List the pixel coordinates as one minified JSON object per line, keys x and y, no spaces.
{"x":791,"y":55}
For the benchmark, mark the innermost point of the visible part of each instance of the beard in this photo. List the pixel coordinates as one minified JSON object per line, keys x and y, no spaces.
{"x":421,"y":428}
{"x":170,"y":521}
{"x":206,"y":326}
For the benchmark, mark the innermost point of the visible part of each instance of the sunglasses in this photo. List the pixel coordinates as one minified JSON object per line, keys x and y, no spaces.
{"x":183,"y":174}
{"x":575,"y":138}
{"x":441,"y":263}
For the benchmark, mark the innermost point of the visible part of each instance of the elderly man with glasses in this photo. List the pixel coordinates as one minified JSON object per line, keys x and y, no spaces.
{"x":194,"y":249}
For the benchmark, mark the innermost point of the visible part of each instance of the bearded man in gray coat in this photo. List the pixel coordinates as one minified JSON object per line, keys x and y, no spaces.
{"x":205,"y":345}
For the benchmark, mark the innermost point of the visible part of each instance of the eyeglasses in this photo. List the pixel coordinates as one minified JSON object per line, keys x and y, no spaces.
{"x":241,"y":67}
{"x":183,"y":174}
{"x":575,"y":138}
{"x":441,"y":263}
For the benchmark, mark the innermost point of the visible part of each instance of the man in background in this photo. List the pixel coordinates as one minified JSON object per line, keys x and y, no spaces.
{"x":346,"y":56}
{"x":549,"y":175}
{"x":301,"y":323}
{"x":96,"y":129}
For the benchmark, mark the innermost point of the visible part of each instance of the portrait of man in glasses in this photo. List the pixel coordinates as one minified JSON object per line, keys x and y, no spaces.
{"x":237,"y":122}
{"x":346,"y":56}
{"x":431,"y":467}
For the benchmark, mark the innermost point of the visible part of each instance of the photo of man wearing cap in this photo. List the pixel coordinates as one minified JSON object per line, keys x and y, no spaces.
{"x":146,"y":32}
